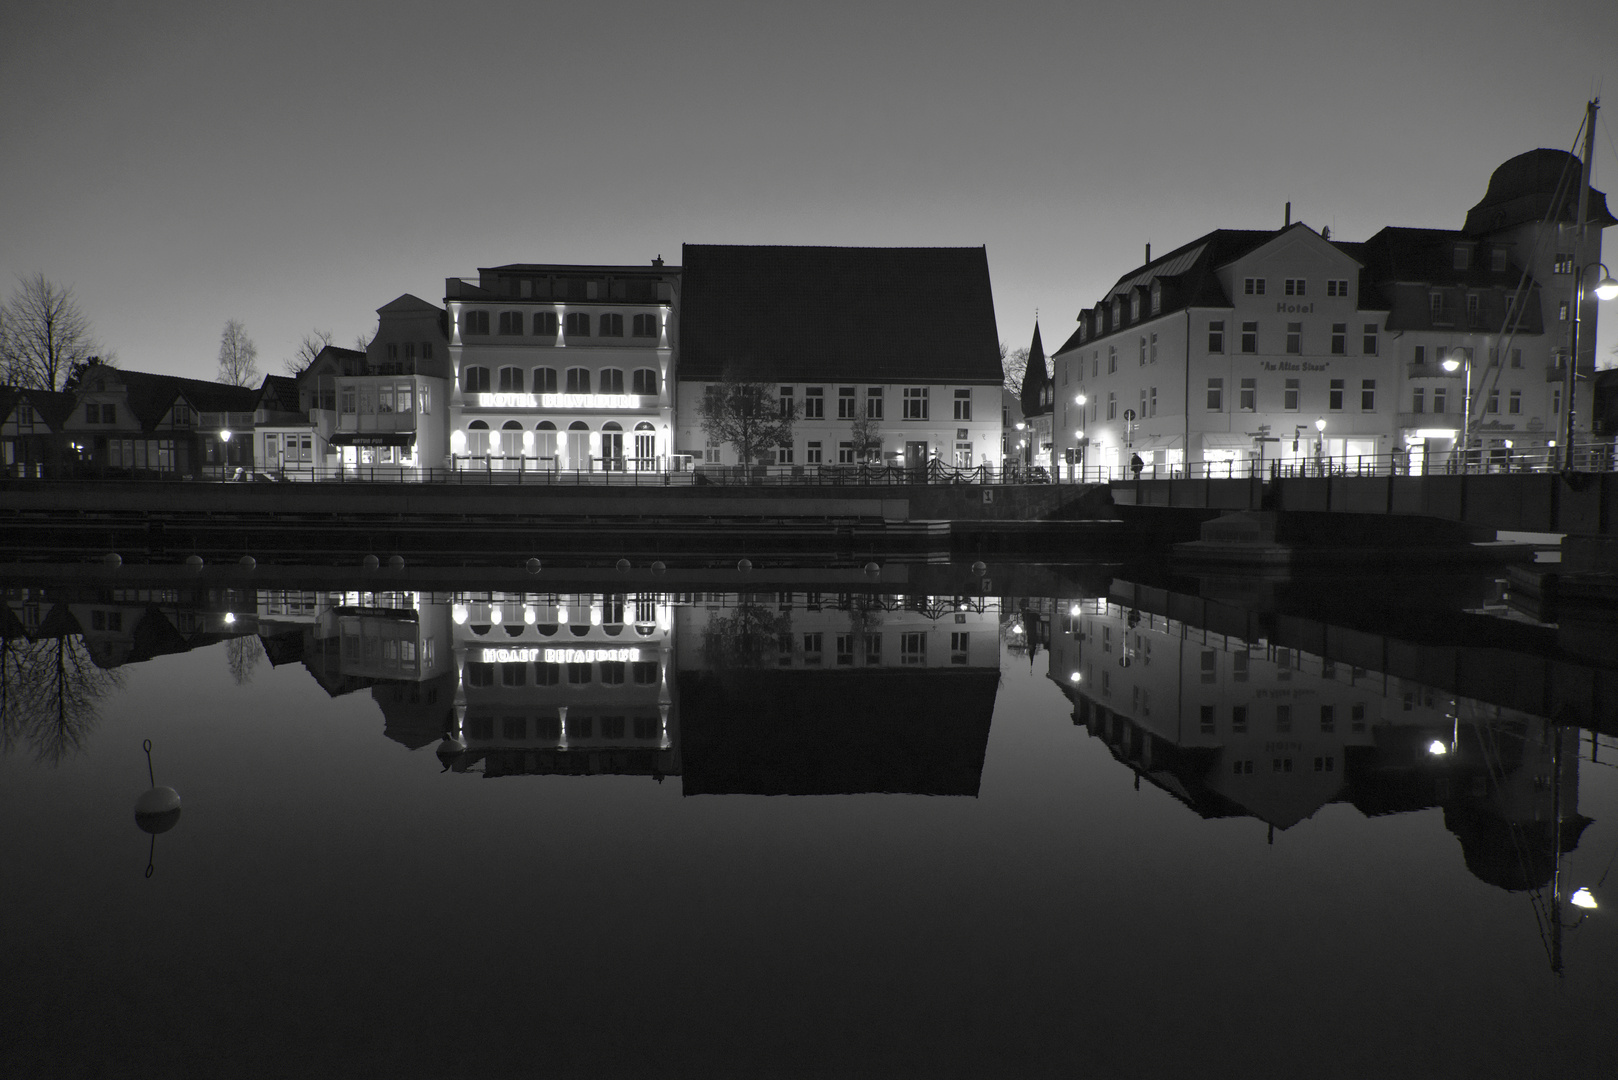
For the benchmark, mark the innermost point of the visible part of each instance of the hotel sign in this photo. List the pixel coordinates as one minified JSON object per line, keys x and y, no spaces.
{"x":562,"y":401}
{"x":559,"y":656}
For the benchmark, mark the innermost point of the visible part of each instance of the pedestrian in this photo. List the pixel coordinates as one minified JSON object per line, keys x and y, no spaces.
{"x":1137,"y":464}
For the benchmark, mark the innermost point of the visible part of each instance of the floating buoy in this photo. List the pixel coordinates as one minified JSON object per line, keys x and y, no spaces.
{"x":872,"y":568}
{"x":193,"y":562}
{"x":623,"y":566}
{"x":370,"y":562}
{"x":658,"y":567}
{"x":113,"y":560}
{"x":533,"y":566}
{"x":396,"y":562}
{"x":451,"y":748}
{"x":247,"y":562}
{"x":979,"y":568}
{"x":156,"y":811}
{"x":744,"y":565}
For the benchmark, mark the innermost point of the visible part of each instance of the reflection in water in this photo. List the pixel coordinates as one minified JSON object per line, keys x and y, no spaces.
{"x":52,"y":677}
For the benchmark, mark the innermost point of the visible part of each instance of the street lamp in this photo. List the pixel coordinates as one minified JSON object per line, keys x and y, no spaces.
{"x":1605,"y":289}
{"x":1466,"y":398}
{"x":1320,"y":441}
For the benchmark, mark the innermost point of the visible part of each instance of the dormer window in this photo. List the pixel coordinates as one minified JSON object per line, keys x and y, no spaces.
{"x":1463,"y":257}
{"x":1134,"y":307}
{"x":1117,"y":311}
{"x":1497,"y":259}
{"x":1157,"y":297}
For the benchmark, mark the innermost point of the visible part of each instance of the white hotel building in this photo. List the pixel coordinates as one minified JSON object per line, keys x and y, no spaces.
{"x":563,"y":367}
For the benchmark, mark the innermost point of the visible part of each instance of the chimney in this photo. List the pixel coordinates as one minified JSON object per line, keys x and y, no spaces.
{"x":658,"y":261}
{"x":1289,"y":213}
{"x":1148,"y":253}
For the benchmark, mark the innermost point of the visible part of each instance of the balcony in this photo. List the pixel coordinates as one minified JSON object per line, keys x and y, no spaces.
{"x":388,"y":421}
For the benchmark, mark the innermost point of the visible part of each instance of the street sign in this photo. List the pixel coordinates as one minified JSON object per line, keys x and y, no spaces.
{"x":1129,"y":414}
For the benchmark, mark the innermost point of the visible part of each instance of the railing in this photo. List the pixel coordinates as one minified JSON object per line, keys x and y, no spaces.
{"x":1587,"y":458}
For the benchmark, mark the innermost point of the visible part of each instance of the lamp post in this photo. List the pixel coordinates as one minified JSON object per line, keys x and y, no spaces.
{"x":1605,"y":289}
{"x":1320,"y":442}
{"x":1080,"y":400}
{"x":224,"y":453}
{"x":1466,"y":400}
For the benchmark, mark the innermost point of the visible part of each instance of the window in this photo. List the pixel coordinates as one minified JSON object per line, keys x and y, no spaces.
{"x":1253,"y":286}
{"x":1339,"y":338}
{"x":578,"y":380}
{"x":477,"y":322}
{"x":544,"y":326}
{"x":915,"y":403}
{"x":644,"y":382}
{"x":1295,"y":286}
{"x":1556,"y":401}
{"x":544,"y":380}
{"x":346,"y":400}
{"x":783,"y":455}
{"x":845,"y":453}
{"x":1249,"y":395}
{"x":612,"y":325}
{"x":1157,"y":297}
{"x":1153,"y":356}
{"x":384,"y":400}
{"x":1494,"y":400}
{"x":1216,"y":396}
{"x":1514,"y":406}
{"x":1561,"y":311}
{"x":578,"y":324}
{"x":1151,"y":402}
{"x":814,"y":402}
{"x":1208,"y":662}
{"x":1516,"y":358}
{"x":510,"y":380}
{"x":1334,"y":394}
{"x":1436,"y":308}
{"x":1418,"y":400}
{"x":1463,"y":256}
{"x":644,"y":326}
{"x":1368,"y":395}
{"x":513,"y":674}
{"x":1112,"y":359}
{"x":873,"y":648}
{"x":913,"y":648}
{"x":785,"y":406}
{"x":845,"y":403}
{"x":578,"y":675}
{"x":1497,"y":259}
{"x":1243,"y":767}
{"x":1143,"y":351}
{"x":1283,"y":719}
{"x":813,"y":648}
{"x":1281,"y":764}
{"x":1294,"y":337}
{"x":811,"y":454}
{"x":100,"y":414}
{"x":475,"y":380}
{"x":1368,"y":343}
{"x":1563,"y":263}
{"x":1216,"y":336}
{"x":510,"y":323}
{"x":1337,"y":287}
{"x":1418,"y":355}
{"x":963,"y":404}
{"x":1249,"y":337}
{"x":1440,"y":400}
{"x":873,"y":402}
{"x":1112,"y":404}
{"x":1290,"y":394}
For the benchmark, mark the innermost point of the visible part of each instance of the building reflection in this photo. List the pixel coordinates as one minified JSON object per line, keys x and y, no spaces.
{"x":1232,"y":722}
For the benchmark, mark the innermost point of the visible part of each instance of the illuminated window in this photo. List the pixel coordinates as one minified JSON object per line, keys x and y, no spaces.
{"x":1563,"y":263}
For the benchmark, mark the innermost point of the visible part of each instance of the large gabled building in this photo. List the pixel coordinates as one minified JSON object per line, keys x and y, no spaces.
{"x":904,"y":337}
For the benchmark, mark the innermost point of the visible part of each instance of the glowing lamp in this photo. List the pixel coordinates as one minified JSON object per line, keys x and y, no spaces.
{"x":1606,"y":289}
{"x":1582,"y":898}
{"x":1437,"y":749}
{"x":459,"y":614}
{"x":1075,"y":677}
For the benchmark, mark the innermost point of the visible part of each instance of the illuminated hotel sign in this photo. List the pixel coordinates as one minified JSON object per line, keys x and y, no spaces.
{"x":562,"y":401}
{"x":558,"y":656}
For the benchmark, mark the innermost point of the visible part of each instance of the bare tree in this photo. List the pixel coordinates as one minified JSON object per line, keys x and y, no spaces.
{"x":242,"y":655}
{"x":50,"y":692}
{"x":1013,"y":365}
{"x":308,"y":348}
{"x":866,"y":438}
{"x":745,"y":637}
{"x":747,"y":415}
{"x":238,"y":356}
{"x":43,"y":334}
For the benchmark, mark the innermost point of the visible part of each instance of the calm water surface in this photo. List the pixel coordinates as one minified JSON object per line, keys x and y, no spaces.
{"x":451,"y":832}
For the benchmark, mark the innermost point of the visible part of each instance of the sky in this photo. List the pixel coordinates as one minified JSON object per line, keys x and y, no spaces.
{"x":298,"y":165}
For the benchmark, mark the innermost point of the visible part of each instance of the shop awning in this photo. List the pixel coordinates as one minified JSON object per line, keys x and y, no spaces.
{"x":1148,"y":443}
{"x":1227,"y":440}
{"x":373,"y":438}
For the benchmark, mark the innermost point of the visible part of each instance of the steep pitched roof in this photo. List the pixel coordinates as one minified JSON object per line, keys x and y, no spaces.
{"x":150,"y":395}
{"x":1035,"y":379}
{"x":51,"y":406}
{"x":408,"y":302}
{"x":855,"y":314}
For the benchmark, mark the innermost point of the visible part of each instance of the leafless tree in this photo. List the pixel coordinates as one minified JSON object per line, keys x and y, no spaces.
{"x":242,"y":655}
{"x":747,"y":415}
{"x":866,"y":438}
{"x":238,"y":356}
{"x":43,"y":334}
{"x":745,"y":637}
{"x":50,"y":692}
{"x":308,"y":348}
{"x":1013,"y":365}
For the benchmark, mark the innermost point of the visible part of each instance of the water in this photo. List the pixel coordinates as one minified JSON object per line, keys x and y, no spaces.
{"x":941,"y":858}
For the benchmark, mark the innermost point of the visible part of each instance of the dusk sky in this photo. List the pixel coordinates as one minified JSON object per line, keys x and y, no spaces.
{"x":299,"y":165}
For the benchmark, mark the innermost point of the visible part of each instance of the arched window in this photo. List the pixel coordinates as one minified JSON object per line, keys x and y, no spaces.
{"x":578,"y":380}
{"x":477,"y":438}
{"x":612,"y":381}
{"x":645,"y":446}
{"x":612,"y":325}
{"x":475,"y":380}
{"x":577,"y":454}
{"x":644,"y":382}
{"x":612,"y":446}
{"x":545,"y":444}
{"x":510,"y":380}
{"x":544,"y":380}
{"x":511,"y":439}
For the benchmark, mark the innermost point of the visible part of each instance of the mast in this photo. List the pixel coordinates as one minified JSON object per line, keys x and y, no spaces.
{"x":1570,"y":382}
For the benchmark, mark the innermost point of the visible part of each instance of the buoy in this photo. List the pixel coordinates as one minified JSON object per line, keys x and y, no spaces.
{"x":979,"y":568}
{"x":623,"y":566}
{"x":744,"y":565}
{"x":247,"y":562}
{"x":872,"y":568}
{"x":113,"y":560}
{"x":658,"y":567}
{"x":193,"y":562}
{"x":370,"y":562}
{"x":533,"y":566}
{"x":396,"y":562}
{"x":157,"y":810}
{"x":451,"y":748}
